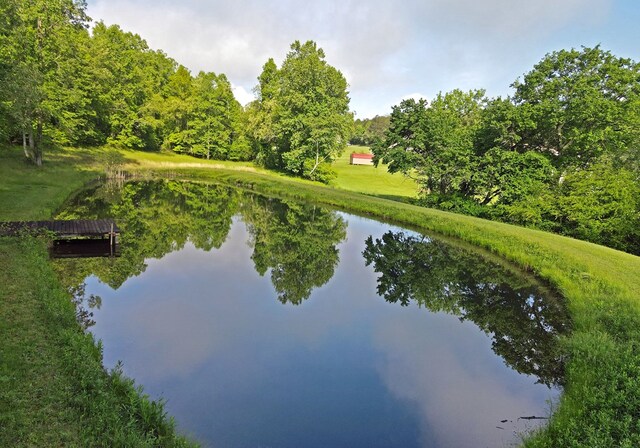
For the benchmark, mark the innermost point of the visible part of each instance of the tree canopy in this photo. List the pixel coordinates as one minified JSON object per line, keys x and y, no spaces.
{"x":301,"y":119}
{"x":64,"y":85}
{"x":562,"y":154}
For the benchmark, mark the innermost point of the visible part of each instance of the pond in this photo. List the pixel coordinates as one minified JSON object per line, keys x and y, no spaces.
{"x":270,"y":323}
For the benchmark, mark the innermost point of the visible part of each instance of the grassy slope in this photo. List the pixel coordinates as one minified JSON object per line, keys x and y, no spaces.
{"x":371,"y":180}
{"x":602,"y":286}
{"x":53,"y":388}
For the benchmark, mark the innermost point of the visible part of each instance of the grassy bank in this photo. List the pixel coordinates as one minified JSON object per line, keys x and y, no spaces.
{"x":54,"y":390}
{"x":602,"y":286}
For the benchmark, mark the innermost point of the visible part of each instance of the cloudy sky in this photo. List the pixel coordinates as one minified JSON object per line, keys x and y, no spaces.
{"x":386,"y":50}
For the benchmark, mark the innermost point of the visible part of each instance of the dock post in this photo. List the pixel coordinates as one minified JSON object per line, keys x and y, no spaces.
{"x":111,"y":238}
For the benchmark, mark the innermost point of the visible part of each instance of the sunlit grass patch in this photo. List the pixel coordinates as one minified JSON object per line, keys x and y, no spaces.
{"x":371,"y":180}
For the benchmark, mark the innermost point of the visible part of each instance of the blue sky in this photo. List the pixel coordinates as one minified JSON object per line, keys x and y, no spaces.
{"x":387,"y":50}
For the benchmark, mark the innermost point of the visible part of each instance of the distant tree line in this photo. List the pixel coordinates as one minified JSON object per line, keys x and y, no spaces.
{"x":561,"y":154}
{"x":367,"y":130}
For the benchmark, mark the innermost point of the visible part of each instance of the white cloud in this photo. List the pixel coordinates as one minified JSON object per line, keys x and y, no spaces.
{"x":386,"y":49}
{"x":242,"y":95}
{"x":461,"y":392}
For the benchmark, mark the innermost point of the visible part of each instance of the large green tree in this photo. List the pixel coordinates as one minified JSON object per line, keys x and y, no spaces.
{"x":581,"y":104}
{"x":39,"y":38}
{"x":435,"y":144}
{"x":302,"y":119}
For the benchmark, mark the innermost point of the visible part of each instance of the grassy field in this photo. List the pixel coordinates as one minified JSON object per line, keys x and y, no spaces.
{"x":371,"y":180}
{"x":602,"y":286}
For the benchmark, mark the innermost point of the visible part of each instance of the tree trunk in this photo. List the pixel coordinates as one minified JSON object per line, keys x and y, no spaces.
{"x":317,"y":160}
{"x":38,"y":143}
{"x":31,"y":143}
{"x":24,"y":145}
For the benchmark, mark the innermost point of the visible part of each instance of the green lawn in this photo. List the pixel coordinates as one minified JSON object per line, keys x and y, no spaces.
{"x":358,"y":178}
{"x":371,"y":180}
{"x":602,"y":286}
{"x":30,"y":193}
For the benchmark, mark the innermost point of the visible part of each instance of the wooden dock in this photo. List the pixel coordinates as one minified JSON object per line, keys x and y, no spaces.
{"x":72,"y":228}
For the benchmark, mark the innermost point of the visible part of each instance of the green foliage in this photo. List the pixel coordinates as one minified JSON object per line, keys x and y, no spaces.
{"x":367,"y":131}
{"x":563,"y":154}
{"x":128,"y":75}
{"x":301,"y":118}
{"x":76,"y":88}
{"x":455,"y":203}
{"x":601,"y":204}
{"x":506,"y":177}
{"x":199,"y":116}
{"x":582,"y":104}
{"x":598,"y":204}
{"x":41,"y":38}
{"x":435,"y":143}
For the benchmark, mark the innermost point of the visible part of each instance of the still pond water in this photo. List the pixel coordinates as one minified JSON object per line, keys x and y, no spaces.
{"x":265,"y":323}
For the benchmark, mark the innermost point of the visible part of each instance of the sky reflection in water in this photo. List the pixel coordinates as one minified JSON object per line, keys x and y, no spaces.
{"x":345,"y":368}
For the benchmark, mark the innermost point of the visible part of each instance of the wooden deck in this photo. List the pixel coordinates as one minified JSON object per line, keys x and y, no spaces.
{"x":90,"y":228}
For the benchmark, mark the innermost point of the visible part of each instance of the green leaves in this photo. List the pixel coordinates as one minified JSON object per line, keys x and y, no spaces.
{"x":301,"y":118}
{"x":434,"y":143}
{"x":563,"y":154}
{"x":582,"y":102}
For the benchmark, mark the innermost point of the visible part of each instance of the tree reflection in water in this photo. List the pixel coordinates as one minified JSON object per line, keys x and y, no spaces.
{"x":296,"y":242}
{"x":525,"y":326}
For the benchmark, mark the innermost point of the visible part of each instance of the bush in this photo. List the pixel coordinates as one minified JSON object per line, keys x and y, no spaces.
{"x":456,"y":203}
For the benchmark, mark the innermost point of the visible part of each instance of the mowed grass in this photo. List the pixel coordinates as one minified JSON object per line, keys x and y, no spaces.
{"x":31,"y":193}
{"x":375,"y":181}
{"x":167,"y":160}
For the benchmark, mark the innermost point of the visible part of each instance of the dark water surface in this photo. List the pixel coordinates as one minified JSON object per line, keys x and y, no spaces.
{"x":277,"y":324}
